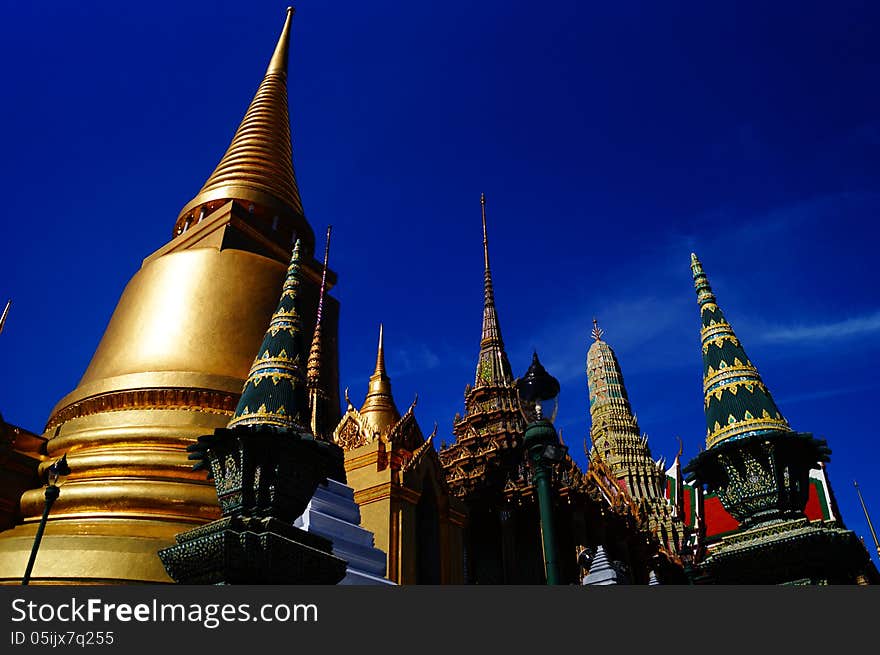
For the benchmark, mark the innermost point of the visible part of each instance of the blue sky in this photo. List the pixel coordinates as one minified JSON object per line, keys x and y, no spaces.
{"x":611,"y":140}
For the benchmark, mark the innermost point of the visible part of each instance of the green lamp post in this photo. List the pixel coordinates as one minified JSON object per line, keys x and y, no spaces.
{"x":545,"y":451}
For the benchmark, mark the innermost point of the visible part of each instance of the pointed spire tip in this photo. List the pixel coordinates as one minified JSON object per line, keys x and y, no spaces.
{"x":278,"y":63}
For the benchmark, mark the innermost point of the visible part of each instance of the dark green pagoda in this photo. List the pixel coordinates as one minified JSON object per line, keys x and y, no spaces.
{"x":265,"y":466}
{"x":759,"y":468}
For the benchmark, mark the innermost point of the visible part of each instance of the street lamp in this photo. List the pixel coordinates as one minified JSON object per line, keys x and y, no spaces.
{"x":545,"y":451}
{"x":56,"y":470}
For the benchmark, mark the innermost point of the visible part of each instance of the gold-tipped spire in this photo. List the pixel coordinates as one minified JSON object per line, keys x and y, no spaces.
{"x":380,"y":355}
{"x":5,"y":314}
{"x":867,"y":517}
{"x":493,"y":366}
{"x":278,"y":63}
{"x":257,"y":168}
{"x":317,"y":393}
{"x":379,"y":407}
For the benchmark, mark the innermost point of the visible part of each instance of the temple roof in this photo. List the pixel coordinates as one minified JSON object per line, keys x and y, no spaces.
{"x":258,"y":165}
{"x":275,"y":391}
{"x":737,"y":402}
{"x":379,"y":408}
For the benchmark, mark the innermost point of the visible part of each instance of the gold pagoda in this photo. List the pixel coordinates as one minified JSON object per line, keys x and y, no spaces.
{"x":172,"y":363}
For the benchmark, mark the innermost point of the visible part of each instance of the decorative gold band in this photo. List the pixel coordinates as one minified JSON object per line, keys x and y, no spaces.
{"x":200,"y":400}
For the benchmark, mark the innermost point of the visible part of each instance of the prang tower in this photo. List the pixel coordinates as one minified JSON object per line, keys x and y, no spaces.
{"x":618,"y":440}
{"x":173,"y":360}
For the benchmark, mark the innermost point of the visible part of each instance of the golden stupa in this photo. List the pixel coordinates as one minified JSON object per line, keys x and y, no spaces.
{"x":172,"y":363}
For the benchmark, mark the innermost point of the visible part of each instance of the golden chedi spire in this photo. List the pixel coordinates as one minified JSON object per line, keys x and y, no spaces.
{"x":379,"y":408}
{"x":257,"y":168}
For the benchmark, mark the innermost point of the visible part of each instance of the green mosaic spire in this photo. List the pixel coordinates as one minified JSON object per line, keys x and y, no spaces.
{"x":736,"y":401}
{"x":275,"y":393}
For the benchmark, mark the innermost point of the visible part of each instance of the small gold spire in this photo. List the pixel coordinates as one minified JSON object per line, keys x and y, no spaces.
{"x":867,"y":517}
{"x":379,"y":407}
{"x":380,"y":353}
{"x":5,"y":314}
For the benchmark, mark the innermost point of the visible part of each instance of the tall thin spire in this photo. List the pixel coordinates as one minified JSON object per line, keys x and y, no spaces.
{"x":485,"y":240}
{"x":275,"y":391}
{"x":379,"y":407}
{"x":737,"y":402}
{"x":258,"y":165}
{"x":314,"y":367}
{"x":380,"y":354}
{"x":493,"y":367}
{"x":867,"y":517}
{"x":317,"y":393}
{"x":5,"y":314}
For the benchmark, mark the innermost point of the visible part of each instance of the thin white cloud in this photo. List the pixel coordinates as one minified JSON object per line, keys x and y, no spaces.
{"x":850,"y":327}
{"x":820,"y":395}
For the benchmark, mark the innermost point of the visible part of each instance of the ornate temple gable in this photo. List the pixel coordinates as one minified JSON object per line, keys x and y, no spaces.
{"x":352,"y":431}
{"x":600,"y":474}
{"x":406,"y":433}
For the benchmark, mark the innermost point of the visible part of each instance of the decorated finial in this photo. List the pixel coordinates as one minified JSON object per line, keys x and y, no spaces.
{"x":701,"y":282}
{"x":597,"y":331}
